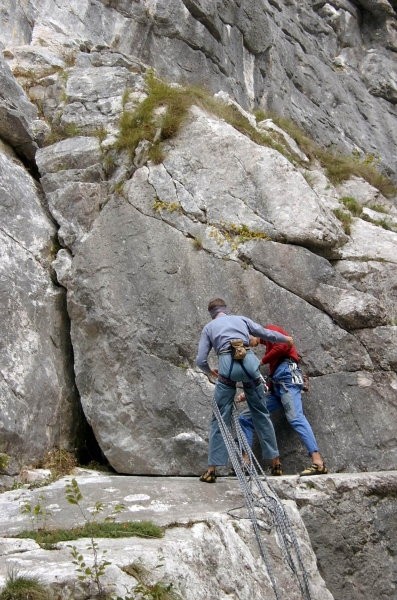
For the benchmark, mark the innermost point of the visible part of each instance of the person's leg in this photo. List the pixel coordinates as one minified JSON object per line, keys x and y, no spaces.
{"x":248,"y":372}
{"x":291,"y":399}
{"x":261,"y":420}
{"x":247,"y":426}
{"x":217,"y":452}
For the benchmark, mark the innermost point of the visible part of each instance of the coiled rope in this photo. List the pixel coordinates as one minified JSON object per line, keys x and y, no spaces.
{"x":260,"y":497}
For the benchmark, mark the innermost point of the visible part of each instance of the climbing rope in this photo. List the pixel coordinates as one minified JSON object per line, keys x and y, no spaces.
{"x":260,"y":498}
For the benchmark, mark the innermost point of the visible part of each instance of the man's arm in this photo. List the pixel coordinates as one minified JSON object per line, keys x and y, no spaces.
{"x":202,"y":353}
{"x":268,"y":334}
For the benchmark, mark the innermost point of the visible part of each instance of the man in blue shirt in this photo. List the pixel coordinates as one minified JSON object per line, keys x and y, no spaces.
{"x":219,"y":335}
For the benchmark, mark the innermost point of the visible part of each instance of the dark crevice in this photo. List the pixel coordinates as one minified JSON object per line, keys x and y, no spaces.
{"x":86,"y":447}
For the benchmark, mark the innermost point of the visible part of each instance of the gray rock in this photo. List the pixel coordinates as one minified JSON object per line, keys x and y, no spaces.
{"x":308,"y":62}
{"x":350,"y":520}
{"x":340,"y":512}
{"x":381,"y":344}
{"x":16,"y":114}
{"x":313,"y":278}
{"x":38,"y":398}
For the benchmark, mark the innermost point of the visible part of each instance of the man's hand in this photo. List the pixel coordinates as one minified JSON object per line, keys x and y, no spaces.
{"x":240,"y":397}
{"x":290,"y":341}
{"x":214,"y":373}
{"x":254,"y":341}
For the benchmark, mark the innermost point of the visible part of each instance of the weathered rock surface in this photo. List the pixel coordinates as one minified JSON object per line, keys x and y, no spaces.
{"x":133,"y":351}
{"x":16,"y":115}
{"x":209,"y":549}
{"x":38,"y":398}
{"x":146,"y":245}
{"x":351,"y":522}
{"x":330,"y":65}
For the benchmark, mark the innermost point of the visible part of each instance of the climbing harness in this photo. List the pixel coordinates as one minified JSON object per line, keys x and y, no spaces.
{"x":262,"y":502}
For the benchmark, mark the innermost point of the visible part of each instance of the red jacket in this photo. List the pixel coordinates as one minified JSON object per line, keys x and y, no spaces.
{"x":276,"y":352}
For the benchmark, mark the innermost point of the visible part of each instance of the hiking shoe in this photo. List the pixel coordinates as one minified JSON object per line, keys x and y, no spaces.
{"x":276,"y":470}
{"x":315,"y":470}
{"x":208,"y":477}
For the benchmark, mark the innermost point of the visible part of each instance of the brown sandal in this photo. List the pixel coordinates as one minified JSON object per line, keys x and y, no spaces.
{"x":208,"y":477}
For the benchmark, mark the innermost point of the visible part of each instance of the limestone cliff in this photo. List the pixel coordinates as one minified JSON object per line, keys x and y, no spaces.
{"x":129,"y":196}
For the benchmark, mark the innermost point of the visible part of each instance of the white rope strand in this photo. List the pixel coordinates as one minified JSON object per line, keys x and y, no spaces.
{"x":260,"y":497}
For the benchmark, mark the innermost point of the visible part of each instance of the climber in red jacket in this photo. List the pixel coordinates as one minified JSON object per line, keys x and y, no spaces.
{"x":285,"y":392}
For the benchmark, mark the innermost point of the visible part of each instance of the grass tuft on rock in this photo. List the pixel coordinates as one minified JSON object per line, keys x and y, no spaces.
{"x":20,"y":587}
{"x":161,"y":114}
{"x":103,"y":529}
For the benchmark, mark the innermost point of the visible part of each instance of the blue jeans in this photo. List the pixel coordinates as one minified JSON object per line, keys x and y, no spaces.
{"x":286,"y":394}
{"x":224,"y":398}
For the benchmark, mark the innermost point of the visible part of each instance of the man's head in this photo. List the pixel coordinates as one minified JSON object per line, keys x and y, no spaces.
{"x":215,"y":306}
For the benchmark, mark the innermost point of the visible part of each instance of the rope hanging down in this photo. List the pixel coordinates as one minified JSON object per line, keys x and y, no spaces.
{"x":262,"y":502}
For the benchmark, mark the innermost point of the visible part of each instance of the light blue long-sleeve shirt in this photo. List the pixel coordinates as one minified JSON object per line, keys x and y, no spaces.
{"x":219,"y":332}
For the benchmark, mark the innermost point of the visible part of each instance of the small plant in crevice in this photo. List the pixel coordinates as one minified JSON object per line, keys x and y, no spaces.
{"x":379,"y":208}
{"x":147,"y":590}
{"x":69,"y":57}
{"x":100,"y":133}
{"x":159,"y":205}
{"x":91,"y":574}
{"x":197,"y":243}
{"x":384,"y":223}
{"x":4,"y":461}
{"x":310,"y":178}
{"x":239,"y":234}
{"x":37,"y":511}
{"x":244,"y":233}
{"x":60,"y":462}
{"x":260,"y":115}
{"x":345,"y":218}
{"x":352,"y":205}
{"x":61,"y":132}
{"x":339,"y":168}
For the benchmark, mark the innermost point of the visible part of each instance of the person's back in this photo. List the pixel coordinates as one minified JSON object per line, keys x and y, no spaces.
{"x":276,"y":352}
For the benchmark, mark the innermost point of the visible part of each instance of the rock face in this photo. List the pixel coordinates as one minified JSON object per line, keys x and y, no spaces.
{"x":146,"y":243}
{"x":111,"y":250}
{"x":349,"y":518}
{"x":329,"y":65}
{"x":38,"y":397}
